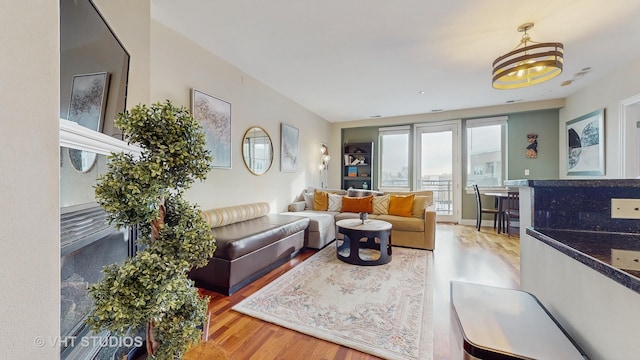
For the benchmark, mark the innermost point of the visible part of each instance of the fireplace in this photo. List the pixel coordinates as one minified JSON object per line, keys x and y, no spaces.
{"x":87,"y":244}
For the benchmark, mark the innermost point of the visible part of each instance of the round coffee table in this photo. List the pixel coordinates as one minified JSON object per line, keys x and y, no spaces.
{"x":359,"y":246}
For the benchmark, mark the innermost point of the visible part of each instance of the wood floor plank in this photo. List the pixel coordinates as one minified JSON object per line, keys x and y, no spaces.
{"x":461,"y":254}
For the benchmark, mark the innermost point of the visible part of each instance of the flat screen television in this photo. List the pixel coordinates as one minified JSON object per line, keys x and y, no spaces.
{"x":94,"y":66}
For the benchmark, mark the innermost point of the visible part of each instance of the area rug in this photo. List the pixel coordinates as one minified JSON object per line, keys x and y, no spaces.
{"x":384,"y":310}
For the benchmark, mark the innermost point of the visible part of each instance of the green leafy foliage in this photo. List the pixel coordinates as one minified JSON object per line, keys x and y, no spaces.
{"x":153,"y":286}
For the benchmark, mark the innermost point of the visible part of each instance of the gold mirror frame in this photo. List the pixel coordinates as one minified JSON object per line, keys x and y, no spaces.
{"x":257,"y":150}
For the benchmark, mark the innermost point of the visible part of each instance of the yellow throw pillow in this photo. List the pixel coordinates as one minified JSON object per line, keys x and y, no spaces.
{"x":320,"y":200}
{"x":401,"y":205}
{"x":357,"y":204}
{"x":381,"y":205}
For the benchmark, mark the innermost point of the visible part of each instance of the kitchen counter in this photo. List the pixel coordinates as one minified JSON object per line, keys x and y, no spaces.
{"x":579,"y":261}
{"x":633,"y":183}
{"x":594,"y":249}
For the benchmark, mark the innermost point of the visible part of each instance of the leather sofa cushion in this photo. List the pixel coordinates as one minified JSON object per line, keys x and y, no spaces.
{"x":238,"y":239}
{"x":233,"y":214}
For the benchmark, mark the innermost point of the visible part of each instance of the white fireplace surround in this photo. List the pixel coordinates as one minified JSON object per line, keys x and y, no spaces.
{"x":75,"y":136}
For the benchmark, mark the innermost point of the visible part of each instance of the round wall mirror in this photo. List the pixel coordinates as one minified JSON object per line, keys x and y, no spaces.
{"x":257,"y":150}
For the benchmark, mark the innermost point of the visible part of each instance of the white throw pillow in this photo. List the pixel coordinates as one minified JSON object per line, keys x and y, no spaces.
{"x":381,"y":204}
{"x":335,"y":203}
{"x":308,"y":201}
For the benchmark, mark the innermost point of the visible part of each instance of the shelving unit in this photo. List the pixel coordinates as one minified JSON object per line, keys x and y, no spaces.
{"x":357,"y":165}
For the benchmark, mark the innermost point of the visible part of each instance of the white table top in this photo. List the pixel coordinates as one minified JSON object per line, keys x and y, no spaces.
{"x":369,"y":225}
{"x":497,"y":194}
{"x":509,"y":321}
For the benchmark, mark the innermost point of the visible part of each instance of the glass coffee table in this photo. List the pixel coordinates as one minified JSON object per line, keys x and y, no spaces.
{"x":367,"y":243}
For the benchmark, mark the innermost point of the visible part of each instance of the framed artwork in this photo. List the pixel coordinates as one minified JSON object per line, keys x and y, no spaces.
{"x":86,"y":107}
{"x":288,"y":148}
{"x":214,"y":115}
{"x":585,"y":144}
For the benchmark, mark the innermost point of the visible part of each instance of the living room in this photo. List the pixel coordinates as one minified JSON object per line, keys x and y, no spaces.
{"x":166,"y":65}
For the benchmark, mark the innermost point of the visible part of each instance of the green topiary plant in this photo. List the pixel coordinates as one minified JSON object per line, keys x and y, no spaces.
{"x":152,"y":289}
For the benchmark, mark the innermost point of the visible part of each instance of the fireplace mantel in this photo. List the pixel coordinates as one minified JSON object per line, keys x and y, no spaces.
{"x":74,"y":136}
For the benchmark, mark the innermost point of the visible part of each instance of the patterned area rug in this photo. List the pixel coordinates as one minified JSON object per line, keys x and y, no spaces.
{"x":382,"y":310}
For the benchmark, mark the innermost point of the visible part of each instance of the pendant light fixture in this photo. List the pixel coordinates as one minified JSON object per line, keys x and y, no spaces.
{"x":528,"y":64}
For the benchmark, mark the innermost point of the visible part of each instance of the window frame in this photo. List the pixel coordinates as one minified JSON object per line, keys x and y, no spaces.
{"x":482,"y":122}
{"x":395,"y":130}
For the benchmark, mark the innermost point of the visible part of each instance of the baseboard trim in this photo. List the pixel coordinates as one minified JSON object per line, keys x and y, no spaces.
{"x":472,"y":222}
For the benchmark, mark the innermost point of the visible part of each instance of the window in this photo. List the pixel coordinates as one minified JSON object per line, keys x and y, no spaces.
{"x":485,"y":151}
{"x":394,"y":158}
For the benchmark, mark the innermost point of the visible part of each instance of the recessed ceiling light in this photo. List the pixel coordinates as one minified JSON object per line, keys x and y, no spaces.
{"x":421,"y":92}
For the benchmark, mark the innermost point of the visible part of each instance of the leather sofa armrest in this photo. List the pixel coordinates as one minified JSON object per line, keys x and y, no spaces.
{"x":297,"y":206}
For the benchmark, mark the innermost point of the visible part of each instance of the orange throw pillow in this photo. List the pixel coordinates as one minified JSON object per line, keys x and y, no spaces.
{"x":320,"y":200}
{"x":401,"y":205}
{"x":357,"y":204}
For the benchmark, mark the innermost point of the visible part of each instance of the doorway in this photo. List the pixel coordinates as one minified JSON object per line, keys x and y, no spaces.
{"x":630,"y":138}
{"x":437,"y":166}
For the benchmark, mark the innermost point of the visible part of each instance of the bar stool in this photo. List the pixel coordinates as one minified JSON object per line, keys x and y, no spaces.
{"x":512,"y":211}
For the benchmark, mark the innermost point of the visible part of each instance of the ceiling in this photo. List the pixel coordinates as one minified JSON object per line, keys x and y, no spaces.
{"x":355,"y":59}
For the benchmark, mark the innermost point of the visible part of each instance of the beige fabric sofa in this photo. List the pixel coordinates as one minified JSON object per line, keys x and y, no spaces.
{"x":417,"y":231}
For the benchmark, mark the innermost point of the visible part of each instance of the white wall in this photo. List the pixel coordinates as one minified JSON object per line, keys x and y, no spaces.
{"x":178,"y":65}
{"x":29,"y":212}
{"x":605,"y":93}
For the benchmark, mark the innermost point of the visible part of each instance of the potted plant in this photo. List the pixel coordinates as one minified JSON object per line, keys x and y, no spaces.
{"x":151,"y":290}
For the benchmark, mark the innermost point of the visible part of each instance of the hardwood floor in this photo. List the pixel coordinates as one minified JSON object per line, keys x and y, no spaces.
{"x":461,"y":253}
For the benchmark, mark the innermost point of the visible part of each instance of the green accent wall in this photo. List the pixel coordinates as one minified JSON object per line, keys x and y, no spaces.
{"x":363,"y":134}
{"x":545,"y":124}
{"x":545,"y":166}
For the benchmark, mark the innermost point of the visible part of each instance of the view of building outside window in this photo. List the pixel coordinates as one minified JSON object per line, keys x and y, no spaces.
{"x":484,"y":155}
{"x":394,"y":160}
{"x":436,"y":168}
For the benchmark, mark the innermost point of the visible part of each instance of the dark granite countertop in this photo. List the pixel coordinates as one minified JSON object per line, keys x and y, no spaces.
{"x":575,"y":183}
{"x":594,"y":250}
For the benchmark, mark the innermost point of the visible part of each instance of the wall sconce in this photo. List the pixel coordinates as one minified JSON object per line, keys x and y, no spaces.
{"x":324,"y":157}
{"x":324,"y":165}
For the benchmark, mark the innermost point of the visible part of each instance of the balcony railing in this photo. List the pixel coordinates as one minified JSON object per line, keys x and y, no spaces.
{"x":442,"y":194}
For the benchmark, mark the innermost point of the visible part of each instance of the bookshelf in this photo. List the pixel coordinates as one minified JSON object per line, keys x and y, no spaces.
{"x":357,"y":165}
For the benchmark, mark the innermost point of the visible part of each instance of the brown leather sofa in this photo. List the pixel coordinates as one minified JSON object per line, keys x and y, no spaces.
{"x":250,"y":243}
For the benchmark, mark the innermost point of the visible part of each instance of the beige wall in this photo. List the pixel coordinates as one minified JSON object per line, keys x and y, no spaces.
{"x":29,"y":212}
{"x":605,"y":93}
{"x":130,"y":21}
{"x":178,"y":65}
